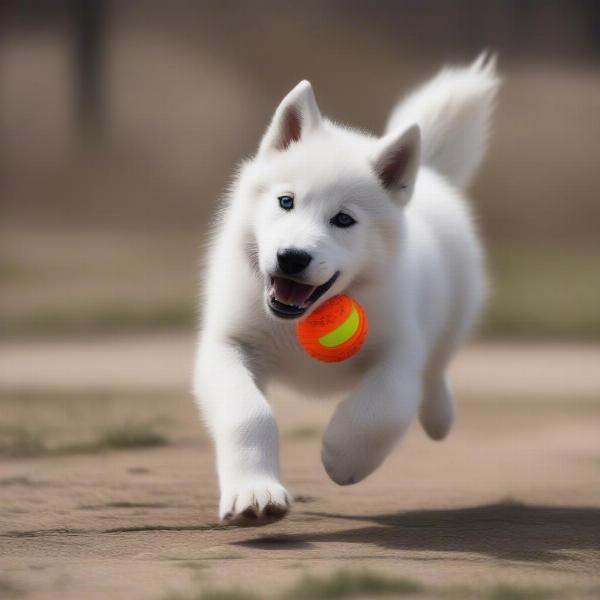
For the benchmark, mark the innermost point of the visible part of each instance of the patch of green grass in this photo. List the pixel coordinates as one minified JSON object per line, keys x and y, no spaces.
{"x":129,"y":435}
{"x":510,"y":592}
{"x":55,"y":422}
{"x":544,"y":292}
{"x":18,"y":441}
{"x":343,"y":585}
{"x":132,"y":435}
{"x":21,"y":442}
{"x":340,"y":585}
{"x":346,"y":584}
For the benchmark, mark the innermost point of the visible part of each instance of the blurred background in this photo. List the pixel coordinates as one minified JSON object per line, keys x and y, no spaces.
{"x":121,"y":124}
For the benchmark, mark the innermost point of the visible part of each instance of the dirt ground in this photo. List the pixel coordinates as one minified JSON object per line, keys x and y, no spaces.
{"x":507,"y":508}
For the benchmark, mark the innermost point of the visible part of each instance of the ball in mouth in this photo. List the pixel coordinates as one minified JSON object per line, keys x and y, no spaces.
{"x":289,"y":299}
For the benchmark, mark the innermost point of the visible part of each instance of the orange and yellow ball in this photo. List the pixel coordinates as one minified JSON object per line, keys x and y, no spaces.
{"x":335,"y":331}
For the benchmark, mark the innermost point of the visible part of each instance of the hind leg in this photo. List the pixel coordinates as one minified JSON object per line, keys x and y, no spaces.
{"x":437,"y":410}
{"x":368,"y":423}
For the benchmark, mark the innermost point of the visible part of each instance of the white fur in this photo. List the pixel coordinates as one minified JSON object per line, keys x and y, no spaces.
{"x":413,"y":261}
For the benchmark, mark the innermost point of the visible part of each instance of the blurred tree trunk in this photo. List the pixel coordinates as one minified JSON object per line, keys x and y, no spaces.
{"x":89,"y":44}
{"x":592,"y":17}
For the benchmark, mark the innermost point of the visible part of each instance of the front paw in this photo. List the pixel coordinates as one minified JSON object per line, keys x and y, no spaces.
{"x":253,"y":504}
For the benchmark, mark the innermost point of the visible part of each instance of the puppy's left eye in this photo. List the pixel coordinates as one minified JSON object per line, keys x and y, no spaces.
{"x":286,"y":202}
{"x":342,"y":220}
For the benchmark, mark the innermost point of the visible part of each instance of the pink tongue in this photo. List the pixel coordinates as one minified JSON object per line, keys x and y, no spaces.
{"x":290,"y":292}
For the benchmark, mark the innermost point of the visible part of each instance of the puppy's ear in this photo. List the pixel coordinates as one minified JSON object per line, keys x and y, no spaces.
{"x":297,"y":114}
{"x":396,"y":162}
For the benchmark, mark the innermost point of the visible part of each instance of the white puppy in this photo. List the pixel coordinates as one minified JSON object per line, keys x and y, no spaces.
{"x":323,"y":209}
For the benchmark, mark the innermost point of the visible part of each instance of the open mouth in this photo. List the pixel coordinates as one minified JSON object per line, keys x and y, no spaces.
{"x":289,"y":299}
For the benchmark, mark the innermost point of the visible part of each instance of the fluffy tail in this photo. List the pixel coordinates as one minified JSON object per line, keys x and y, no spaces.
{"x":453,"y":111}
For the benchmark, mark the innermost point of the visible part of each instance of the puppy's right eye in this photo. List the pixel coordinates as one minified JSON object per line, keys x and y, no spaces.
{"x":286,"y":202}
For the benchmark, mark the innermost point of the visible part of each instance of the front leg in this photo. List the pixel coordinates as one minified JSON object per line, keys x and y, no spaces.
{"x":367,"y":424}
{"x":245,"y":434}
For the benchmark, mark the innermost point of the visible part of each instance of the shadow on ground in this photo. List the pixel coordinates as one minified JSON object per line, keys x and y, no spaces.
{"x":509,"y":531}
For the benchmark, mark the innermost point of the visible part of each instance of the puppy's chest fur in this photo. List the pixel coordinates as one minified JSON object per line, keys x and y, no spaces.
{"x":288,"y":364}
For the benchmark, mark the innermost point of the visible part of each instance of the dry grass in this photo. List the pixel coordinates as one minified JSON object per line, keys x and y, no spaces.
{"x":344,"y":584}
{"x":544,"y":292}
{"x":512,"y":592}
{"x":76,"y":284}
{"x":347,"y":584}
{"x":23,"y":442}
{"x":337,"y":586}
{"x":63,"y":283}
{"x":53,"y":423}
{"x":20,"y":442}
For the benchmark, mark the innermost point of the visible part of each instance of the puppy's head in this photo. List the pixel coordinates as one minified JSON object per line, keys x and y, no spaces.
{"x":327,"y":204}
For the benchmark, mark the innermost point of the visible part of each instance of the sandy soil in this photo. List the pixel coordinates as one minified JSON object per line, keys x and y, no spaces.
{"x":165,"y":361}
{"x":512,"y":497}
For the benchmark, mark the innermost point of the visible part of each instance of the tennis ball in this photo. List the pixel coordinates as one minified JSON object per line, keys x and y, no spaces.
{"x":335,"y":331}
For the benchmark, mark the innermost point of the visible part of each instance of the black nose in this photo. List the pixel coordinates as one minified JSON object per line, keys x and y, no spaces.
{"x":292,"y":262}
